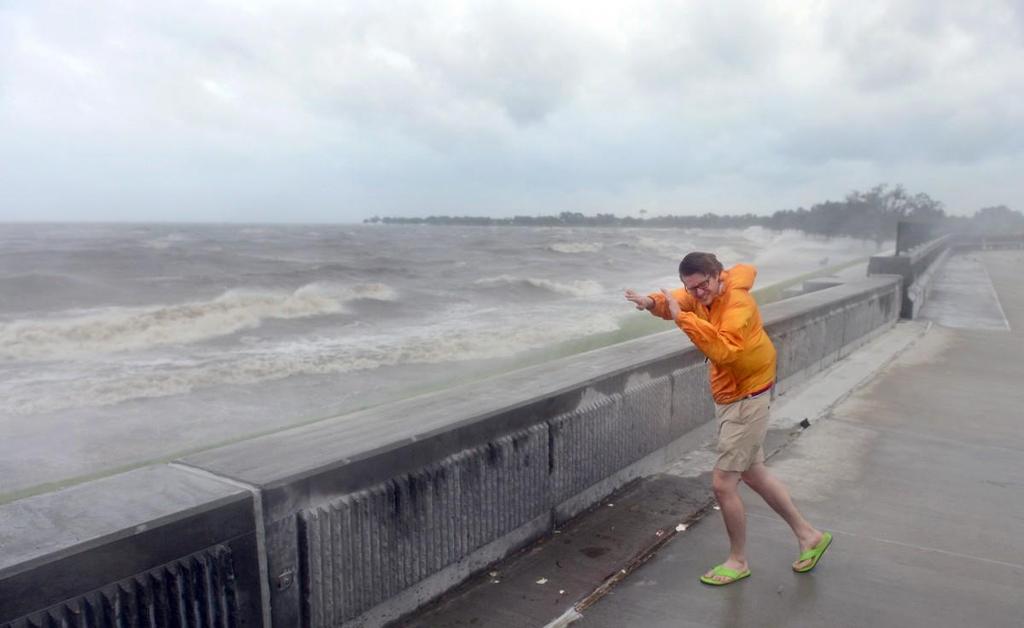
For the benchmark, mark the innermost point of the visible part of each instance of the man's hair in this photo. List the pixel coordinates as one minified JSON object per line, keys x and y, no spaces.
{"x":705,"y":263}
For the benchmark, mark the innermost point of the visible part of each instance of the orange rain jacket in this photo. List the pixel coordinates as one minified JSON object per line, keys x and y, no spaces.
{"x":729,"y":333}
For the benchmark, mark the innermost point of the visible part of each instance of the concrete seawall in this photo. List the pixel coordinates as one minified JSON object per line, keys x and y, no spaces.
{"x":365,"y":517}
{"x":916,"y":267}
{"x":154,"y":542}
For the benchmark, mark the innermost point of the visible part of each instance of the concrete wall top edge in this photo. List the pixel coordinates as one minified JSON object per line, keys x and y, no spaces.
{"x":494,"y":406}
{"x":925,"y":248}
{"x":822,"y":300}
{"x":54,"y":525}
{"x":904,"y":262}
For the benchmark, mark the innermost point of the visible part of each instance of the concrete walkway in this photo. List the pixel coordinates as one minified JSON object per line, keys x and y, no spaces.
{"x":920,"y":476}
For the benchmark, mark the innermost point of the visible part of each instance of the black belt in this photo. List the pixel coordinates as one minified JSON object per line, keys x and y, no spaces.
{"x":760,"y":392}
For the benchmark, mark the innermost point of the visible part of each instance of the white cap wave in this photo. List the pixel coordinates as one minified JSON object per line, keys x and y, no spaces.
{"x":576,"y":288}
{"x":456,"y":339}
{"x":576,"y":247}
{"x":122,"y":329}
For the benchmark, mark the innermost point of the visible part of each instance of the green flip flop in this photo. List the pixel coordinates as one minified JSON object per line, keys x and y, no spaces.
{"x":722,"y":570}
{"x":814,"y":554}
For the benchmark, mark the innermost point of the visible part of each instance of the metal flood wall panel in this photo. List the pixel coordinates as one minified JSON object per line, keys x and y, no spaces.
{"x":366,"y":547}
{"x":197,"y":591}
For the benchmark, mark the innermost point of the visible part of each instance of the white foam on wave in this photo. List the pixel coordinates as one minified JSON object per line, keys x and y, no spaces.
{"x":796,"y":252}
{"x":576,"y":247}
{"x":728,"y":256}
{"x":123,"y":329}
{"x":671,"y":249}
{"x":760,"y":235}
{"x":454,"y":339}
{"x":576,"y":288}
{"x":167,"y":241}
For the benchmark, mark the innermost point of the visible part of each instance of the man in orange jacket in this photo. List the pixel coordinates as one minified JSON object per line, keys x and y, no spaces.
{"x":715,"y":309}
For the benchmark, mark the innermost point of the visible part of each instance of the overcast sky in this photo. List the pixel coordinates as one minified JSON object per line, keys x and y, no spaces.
{"x":302,"y":111}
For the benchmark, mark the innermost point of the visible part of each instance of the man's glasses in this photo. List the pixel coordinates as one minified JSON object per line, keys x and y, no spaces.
{"x":701,"y":287}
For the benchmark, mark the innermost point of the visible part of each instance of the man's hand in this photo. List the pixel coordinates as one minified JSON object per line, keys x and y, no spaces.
{"x":642,"y":302}
{"x":673,"y":305}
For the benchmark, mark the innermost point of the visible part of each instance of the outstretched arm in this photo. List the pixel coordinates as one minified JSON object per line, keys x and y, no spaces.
{"x":666,"y":299}
{"x":659,"y":303}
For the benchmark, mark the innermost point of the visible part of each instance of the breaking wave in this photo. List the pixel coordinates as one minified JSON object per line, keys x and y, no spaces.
{"x":576,"y":247}
{"x":578,"y":288}
{"x":122,"y":329}
{"x":670,"y":249}
{"x":452,"y":341}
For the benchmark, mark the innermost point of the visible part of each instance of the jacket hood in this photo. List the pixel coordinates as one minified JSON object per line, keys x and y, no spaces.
{"x":741,"y":277}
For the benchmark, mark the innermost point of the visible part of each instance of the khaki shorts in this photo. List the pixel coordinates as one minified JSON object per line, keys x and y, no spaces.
{"x":742,"y":426}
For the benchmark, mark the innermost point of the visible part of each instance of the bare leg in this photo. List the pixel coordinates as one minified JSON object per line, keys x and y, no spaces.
{"x":775,"y":494}
{"x":726,"y":485}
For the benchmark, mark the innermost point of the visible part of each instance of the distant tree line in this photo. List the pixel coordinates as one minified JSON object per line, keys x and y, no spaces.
{"x":873,"y":214}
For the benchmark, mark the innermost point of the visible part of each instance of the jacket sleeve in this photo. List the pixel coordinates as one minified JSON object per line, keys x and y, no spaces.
{"x":722,"y":344}
{"x":660,"y":309}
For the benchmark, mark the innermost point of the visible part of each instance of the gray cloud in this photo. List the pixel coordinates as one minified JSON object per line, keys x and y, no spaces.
{"x":337,"y":111}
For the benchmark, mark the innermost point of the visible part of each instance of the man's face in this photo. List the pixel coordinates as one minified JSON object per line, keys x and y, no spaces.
{"x":703,"y":287}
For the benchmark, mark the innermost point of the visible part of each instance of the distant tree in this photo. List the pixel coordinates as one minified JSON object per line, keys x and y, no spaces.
{"x":873,"y":213}
{"x":997,"y":220}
